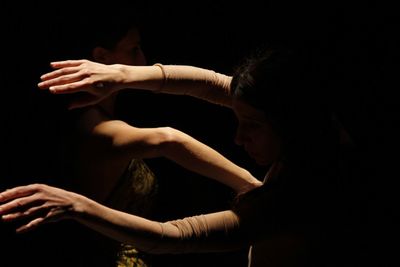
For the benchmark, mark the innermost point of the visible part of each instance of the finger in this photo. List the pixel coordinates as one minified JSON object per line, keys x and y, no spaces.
{"x":17,"y":203}
{"x":67,"y":63}
{"x":22,"y":214}
{"x":30,"y":226}
{"x":60,"y":72}
{"x":62,"y":79}
{"x":55,"y":215}
{"x":17,"y":192}
{"x":71,"y":88}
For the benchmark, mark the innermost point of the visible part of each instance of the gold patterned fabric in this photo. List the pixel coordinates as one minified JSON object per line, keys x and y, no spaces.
{"x":128,"y":256}
{"x":133,"y":194}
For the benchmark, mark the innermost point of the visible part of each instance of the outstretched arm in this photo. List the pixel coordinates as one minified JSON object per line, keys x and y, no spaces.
{"x":99,"y":81}
{"x":42,"y":204}
{"x":131,"y":142}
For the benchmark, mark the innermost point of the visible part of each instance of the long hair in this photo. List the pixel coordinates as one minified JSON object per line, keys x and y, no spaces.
{"x":281,"y":83}
{"x":316,"y":194}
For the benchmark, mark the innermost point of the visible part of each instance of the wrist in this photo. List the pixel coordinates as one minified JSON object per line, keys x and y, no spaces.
{"x":251,"y":183}
{"x":139,"y":77}
{"x":120,"y":77}
{"x":82,"y":207}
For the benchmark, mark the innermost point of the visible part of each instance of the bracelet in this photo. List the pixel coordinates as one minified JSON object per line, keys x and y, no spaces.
{"x":164,"y":80}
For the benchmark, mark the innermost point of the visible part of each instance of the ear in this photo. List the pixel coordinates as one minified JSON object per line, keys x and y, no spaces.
{"x":100,"y":54}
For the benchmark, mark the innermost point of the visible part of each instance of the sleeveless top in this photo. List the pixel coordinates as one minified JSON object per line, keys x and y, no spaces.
{"x":134,"y":194}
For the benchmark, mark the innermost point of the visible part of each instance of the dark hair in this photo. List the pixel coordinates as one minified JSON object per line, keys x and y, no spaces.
{"x":110,"y":31}
{"x":316,"y":193}
{"x":281,"y":83}
{"x":76,"y":38}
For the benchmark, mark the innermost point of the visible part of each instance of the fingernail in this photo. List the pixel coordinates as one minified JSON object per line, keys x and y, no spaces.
{"x":7,"y":217}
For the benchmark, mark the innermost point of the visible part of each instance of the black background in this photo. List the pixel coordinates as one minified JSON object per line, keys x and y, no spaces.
{"x":359,"y":47}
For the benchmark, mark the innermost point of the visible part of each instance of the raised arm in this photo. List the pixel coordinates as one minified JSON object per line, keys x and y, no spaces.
{"x":42,"y":204}
{"x":130,"y":142}
{"x":197,"y":82}
{"x":100,"y":80}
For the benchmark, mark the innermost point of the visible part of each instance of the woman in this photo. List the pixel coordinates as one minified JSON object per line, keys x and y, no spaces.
{"x":295,"y":218}
{"x":100,"y":156}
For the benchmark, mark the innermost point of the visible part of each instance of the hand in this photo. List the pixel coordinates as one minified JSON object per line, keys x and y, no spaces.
{"x":96,"y":80}
{"x":39,"y":204}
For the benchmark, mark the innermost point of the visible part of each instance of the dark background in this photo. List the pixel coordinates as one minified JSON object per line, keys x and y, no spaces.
{"x":355,"y":43}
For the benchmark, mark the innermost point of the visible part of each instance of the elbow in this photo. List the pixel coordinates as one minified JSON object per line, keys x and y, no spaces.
{"x":154,"y":142}
{"x":124,"y":139}
{"x":168,"y":139}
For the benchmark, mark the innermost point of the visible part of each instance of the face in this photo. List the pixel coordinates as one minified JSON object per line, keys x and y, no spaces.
{"x":255,"y":134}
{"x":127,"y":51}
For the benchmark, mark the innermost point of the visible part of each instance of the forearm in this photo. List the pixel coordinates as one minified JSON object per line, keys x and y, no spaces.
{"x":202,"y":159}
{"x":101,"y":80}
{"x":39,"y":204}
{"x":127,"y":228}
{"x":203,"y":233}
{"x":181,"y":80}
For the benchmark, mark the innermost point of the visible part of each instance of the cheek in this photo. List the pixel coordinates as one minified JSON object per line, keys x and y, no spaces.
{"x":268,"y":146}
